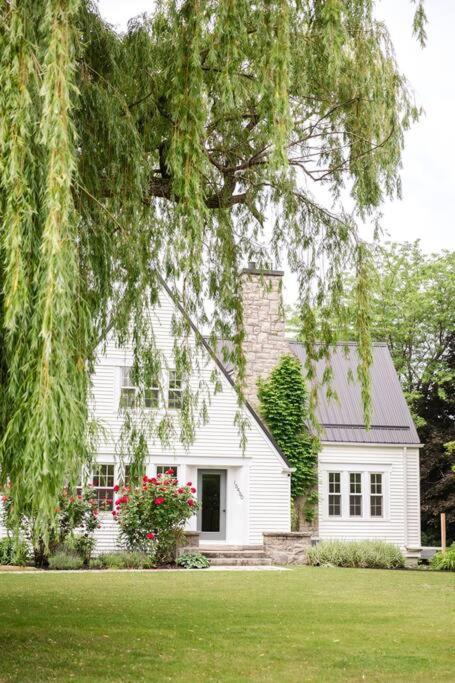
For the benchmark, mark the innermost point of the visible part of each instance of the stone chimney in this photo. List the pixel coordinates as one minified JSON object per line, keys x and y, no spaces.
{"x":263,"y":313}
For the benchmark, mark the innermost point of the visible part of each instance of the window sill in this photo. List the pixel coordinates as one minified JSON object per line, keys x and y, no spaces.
{"x":355,"y":519}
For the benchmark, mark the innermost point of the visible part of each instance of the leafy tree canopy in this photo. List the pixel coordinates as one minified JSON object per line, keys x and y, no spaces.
{"x":157,"y":152}
{"x":413,"y":310}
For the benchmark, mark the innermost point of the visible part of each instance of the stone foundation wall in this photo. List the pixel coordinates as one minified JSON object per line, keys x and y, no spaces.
{"x":287,"y":548}
{"x":190,"y":541}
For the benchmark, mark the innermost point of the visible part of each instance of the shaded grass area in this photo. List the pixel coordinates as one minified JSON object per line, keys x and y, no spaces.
{"x":309,"y":624}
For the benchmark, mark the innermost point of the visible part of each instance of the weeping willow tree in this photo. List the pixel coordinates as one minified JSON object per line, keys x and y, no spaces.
{"x":180,"y":149}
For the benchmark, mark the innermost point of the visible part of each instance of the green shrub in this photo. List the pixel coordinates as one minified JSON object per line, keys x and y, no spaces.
{"x":14,"y":552}
{"x":366,"y":554}
{"x":75,"y":510}
{"x":96,"y":563}
{"x":125,"y":560}
{"x":444,"y":561}
{"x":81,"y":545}
{"x":193,"y":560}
{"x":64,"y":560}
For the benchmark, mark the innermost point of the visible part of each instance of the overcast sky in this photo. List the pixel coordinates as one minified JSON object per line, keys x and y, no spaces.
{"x":428,"y":175}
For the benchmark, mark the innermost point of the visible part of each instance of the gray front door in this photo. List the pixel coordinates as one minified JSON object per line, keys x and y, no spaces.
{"x":211,"y":518}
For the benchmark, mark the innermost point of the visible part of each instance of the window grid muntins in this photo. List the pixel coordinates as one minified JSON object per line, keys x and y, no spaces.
{"x":376,"y":495}
{"x":129,"y":393}
{"x":103,"y":483}
{"x":162,"y":469}
{"x":355,"y":494}
{"x":175,"y":391}
{"x":334,"y":494}
{"x":128,"y":390}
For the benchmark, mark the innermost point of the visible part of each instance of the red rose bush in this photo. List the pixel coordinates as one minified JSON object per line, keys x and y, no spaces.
{"x":151,"y":515}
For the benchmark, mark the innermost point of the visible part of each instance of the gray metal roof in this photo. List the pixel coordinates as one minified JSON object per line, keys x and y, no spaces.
{"x":342,"y":420}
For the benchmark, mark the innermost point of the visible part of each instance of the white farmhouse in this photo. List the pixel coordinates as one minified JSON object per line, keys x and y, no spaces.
{"x":368,"y":480}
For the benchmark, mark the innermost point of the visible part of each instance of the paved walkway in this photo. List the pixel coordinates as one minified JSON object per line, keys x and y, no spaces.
{"x":32,"y":570}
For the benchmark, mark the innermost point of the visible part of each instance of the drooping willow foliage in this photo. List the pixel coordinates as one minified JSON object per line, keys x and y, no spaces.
{"x":180,"y":149}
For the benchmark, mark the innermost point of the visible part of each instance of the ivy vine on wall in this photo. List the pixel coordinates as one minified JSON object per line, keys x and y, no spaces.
{"x":283,"y":400}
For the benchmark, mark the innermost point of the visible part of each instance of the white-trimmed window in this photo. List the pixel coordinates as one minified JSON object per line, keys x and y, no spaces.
{"x":103,"y":483}
{"x":335,"y":494}
{"x":162,"y":469}
{"x":376,"y":494}
{"x":127,"y":389}
{"x":355,"y":494}
{"x":129,"y":392}
{"x":175,"y":391}
{"x":152,"y":395}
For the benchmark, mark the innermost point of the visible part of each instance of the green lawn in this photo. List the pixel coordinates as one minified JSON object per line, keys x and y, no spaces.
{"x":307,"y":624}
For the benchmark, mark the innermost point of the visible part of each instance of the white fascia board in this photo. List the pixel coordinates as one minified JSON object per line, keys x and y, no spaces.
{"x":363,"y":444}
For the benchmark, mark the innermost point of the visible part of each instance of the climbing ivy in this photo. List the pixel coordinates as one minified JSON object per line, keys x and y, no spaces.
{"x":283,"y":400}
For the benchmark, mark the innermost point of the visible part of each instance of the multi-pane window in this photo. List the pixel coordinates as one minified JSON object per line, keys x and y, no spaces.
{"x":355,"y":494}
{"x":175,"y":390}
{"x":128,"y":479}
{"x":103,"y":483}
{"x":162,"y":469}
{"x":128,"y":390}
{"x":151,"y":395}
{"x":334,"y":494}
{"x":376,"y":495}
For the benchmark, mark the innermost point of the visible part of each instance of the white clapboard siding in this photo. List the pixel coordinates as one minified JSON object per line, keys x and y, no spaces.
{"x":258,"y":486}
{"x":400,"y":523}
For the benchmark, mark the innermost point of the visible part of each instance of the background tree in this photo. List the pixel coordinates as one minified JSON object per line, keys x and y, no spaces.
{"x":155,"y":153}
{"x":413,"y":310}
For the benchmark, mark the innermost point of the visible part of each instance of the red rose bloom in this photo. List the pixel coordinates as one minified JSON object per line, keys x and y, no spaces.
{"x":159,"y":475}
{"x":72,"y":499}
{"x":153,"y":480}
{"x":114,"y":513}
{"x":159,"y":501}
{"x":189,"y":483}
{"x":179,"y":490}
{"x":145,"y":478}
{"x":193,"y":490}
{"x":116,"y":488}
{"x":190,"y":502}
{"x":150,"y":536}
{"x":169,"y":471}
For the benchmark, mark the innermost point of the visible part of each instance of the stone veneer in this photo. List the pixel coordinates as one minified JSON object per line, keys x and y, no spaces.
{"x":287,"y":548}
{"x":263,"y":313}
{"x":188,"y":542}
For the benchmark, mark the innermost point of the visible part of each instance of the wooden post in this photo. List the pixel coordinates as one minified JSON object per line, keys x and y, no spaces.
{"x":443,"y":532}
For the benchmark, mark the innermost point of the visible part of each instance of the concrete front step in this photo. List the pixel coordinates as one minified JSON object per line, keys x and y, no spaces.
{"x":240,"y":561}
{"x":215,"y":546}
{"x":232,"y":553}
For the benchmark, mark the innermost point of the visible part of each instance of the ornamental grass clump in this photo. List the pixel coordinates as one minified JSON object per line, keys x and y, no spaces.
{"x":363,"y":554}
{"x":444,"y":561}
{"x":152,"y":515}
{"x":14,"y":551}
{"x":122,"y":560}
